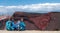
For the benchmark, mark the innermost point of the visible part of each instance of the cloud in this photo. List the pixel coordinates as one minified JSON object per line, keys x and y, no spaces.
{"x":37,"y":8}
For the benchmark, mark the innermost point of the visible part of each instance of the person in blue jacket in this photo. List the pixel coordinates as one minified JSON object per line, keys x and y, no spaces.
{"x":15,"y":25}
{"x":22,"y":25}
{"x":8,"y":25}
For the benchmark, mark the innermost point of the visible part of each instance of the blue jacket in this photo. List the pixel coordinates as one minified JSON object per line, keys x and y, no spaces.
{"x":22,"y":24}
{"x":8,"y":24}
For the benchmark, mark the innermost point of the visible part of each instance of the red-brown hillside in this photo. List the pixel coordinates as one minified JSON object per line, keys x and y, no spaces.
{"x":37,"y":21}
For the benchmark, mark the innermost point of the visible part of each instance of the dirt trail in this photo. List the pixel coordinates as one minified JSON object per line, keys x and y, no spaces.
{"x":30,"y":31}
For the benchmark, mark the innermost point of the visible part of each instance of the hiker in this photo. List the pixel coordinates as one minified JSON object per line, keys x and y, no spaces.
{"x":8,"y":25}
{"x":22,"y":25}
{"x":14,"y":25}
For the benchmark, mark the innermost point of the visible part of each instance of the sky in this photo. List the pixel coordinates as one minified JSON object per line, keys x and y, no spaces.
{"x":35,"y":6}
{"x":25,"y":2}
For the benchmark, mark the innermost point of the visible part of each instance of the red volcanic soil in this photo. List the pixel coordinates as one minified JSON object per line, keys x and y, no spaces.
{"x":41,"y":21}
